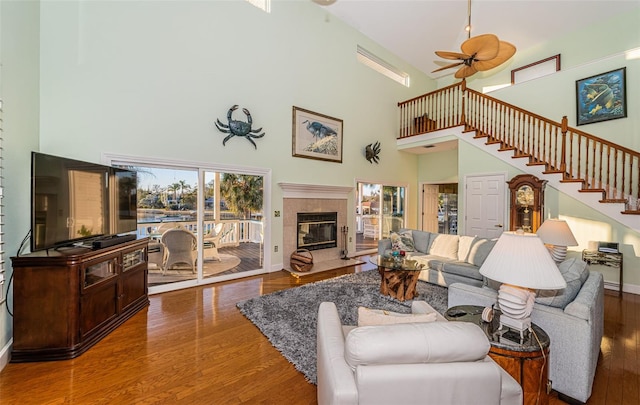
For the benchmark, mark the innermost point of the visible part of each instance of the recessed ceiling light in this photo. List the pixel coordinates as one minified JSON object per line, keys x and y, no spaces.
{"x":429,"y":146}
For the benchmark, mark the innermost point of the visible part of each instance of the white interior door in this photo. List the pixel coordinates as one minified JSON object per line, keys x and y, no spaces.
{"x":430,"y":207}
{"x":485,"y":205}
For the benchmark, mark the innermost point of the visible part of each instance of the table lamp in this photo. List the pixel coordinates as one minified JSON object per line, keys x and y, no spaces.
{"x":556,"y":234}
{"x":522,"y":263}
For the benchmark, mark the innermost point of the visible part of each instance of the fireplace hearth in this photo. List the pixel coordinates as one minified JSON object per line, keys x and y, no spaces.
{"x":317,"y":230}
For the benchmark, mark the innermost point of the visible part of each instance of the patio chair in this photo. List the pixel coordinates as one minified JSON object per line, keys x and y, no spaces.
{"x":370,"y":227}
{"x":179,"y":247}
{"x":211,"y":242}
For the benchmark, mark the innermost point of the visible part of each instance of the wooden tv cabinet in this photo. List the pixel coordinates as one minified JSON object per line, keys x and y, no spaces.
{"x":66,"y":300}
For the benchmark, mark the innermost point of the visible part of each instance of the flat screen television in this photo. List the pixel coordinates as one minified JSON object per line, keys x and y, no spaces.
{"x":73,"y":201}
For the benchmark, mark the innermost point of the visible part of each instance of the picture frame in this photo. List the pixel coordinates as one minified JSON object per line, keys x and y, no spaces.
{"x":601,"y":97}
{"x":316,"y":136}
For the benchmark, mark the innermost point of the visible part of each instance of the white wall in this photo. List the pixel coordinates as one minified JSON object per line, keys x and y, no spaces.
{"x":150,"y":79}
{"x":19,"y":83}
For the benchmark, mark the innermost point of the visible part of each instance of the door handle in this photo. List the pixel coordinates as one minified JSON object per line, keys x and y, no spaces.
{"x":498,"y":226}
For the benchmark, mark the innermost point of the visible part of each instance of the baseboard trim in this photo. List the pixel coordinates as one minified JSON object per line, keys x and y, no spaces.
{"x":628,"y":288}
{"x":5,"y":354}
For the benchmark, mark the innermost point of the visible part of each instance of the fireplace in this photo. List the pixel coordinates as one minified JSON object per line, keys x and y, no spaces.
{"x":317,"y":230}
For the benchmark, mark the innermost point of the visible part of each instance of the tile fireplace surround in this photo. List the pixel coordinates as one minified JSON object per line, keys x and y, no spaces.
{"x":312,"y":198}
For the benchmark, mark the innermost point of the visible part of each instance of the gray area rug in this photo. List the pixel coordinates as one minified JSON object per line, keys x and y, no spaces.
{"x":288,"y":317}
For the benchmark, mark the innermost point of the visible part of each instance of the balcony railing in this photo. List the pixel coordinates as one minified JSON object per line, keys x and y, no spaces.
{"x":235,"y":231}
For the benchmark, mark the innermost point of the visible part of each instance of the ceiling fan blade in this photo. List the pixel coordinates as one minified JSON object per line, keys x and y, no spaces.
{"x":452,"y":55}
{"x":465,"y":71}
{"x":447,"y":67}
{"x":483,"y":47}
{"x":507,"y":50}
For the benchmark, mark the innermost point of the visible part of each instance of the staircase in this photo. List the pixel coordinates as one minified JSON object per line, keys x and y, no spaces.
{"x":600,"y":173}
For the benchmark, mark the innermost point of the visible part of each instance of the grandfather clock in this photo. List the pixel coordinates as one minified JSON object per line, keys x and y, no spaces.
{"x":527,"y":202}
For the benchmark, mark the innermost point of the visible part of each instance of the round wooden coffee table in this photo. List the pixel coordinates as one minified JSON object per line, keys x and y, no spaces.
{"x":398,"y":278}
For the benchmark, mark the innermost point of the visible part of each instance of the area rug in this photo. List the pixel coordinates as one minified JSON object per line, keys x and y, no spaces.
{"x":325,"y":265}
{"x":288,"y":317}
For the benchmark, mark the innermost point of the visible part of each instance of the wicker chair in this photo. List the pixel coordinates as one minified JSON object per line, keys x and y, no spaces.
{"x":211,"y":242}
{"x":179,"y":247}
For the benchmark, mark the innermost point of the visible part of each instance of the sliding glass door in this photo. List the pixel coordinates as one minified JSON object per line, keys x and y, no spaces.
{"x":204,"y":224}
{"x":380,"y":210}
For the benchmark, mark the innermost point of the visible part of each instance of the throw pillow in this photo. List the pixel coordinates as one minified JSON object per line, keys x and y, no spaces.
{"x":402,"y":240}
{"x":575,"y":272}
{"x":464,"y":247}
{"x":372,"y":317}
{"x":445,"y":246}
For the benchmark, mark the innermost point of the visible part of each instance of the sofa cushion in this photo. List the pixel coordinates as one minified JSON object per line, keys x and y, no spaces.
{"x":575,"y":273}
{"x":444,"y":245}
{"x":432,"y":342}
{"x":369,"y":317}
{"x":421,"y":240}
{"x":464,"y":247}
{"x":462,"y":269}
{"x":402,"y":240}
{"x":479,"y":250}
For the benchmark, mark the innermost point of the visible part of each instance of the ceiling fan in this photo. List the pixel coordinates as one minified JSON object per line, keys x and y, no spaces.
{"x":480,"y":53}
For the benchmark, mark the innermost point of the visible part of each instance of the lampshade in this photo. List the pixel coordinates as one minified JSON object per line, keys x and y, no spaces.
{"x":556,"y":232}
{"x":521,"y":259}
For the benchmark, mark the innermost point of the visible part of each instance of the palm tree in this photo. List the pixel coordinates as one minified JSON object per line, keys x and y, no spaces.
{"x":242,"y":193}
{"x":174,"y":188}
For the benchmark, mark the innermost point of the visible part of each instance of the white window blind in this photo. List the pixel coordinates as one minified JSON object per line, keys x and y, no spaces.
{"x":2,"y":263}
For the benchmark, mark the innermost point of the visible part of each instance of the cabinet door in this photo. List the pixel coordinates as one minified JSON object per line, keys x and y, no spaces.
{"x":98,"y":303}
{"x":133,"y":281}
{"x":98,"y":306}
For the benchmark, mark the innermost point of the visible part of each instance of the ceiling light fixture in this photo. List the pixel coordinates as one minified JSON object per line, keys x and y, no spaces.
{"x":480,"y":53}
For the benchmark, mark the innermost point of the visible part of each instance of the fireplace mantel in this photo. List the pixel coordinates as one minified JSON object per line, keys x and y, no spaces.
{"x":296,"y":190}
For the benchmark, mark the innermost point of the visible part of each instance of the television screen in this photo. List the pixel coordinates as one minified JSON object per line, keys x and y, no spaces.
{"x":73,"y":200}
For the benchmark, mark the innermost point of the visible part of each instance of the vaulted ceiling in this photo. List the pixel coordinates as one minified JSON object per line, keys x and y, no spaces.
{"x":415,"y":29}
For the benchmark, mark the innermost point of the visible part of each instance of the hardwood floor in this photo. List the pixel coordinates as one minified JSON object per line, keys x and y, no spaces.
{"x":193,"y":346}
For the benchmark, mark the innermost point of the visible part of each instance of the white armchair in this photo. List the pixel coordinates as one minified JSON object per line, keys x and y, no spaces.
{"x":416,"y":363}
{"x":211,"y":242}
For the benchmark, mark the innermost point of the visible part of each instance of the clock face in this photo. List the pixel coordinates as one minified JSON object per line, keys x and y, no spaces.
{"x":524,"y":195}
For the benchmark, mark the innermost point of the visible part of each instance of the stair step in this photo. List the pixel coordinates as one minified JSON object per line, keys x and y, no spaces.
{"x":506,"y":148}
{"x":537,"y":163}
{"x":573,"y":181}
{"x":592,"y":190}
{"x":627,"y":212}
{"x":521,"y":155}
{"x":553,"y":171}
{"x":492,"y":142}
{"x":613,"y":200}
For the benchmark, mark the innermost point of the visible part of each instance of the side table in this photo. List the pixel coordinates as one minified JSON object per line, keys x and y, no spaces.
{"x":398,"y":278}
{"x":607,"y":259}
{"x":527,"y":361}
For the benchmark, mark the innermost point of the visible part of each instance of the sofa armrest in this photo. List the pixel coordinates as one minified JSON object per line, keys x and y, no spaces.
{"x":464,"y":294}
{"x":336,"y":382}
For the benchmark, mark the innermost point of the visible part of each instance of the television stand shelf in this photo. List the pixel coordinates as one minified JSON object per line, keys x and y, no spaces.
{"x":65,"y":301}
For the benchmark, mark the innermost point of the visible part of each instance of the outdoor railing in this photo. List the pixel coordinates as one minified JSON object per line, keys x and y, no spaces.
{"x":235,"y":231}
{"x":600,"y":165}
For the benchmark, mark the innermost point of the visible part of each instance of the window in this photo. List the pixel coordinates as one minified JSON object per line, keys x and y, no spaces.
{"x":2,"y":266}
{"x":367,"y":58}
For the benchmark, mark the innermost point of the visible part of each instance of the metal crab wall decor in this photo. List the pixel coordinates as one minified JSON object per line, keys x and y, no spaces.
{"x":372,"y":151}
{"x":239,"y":128}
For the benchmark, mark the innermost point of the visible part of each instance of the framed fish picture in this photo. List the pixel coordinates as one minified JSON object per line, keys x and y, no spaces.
{"x":316,"y":136}
{"x":601,"y":97}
